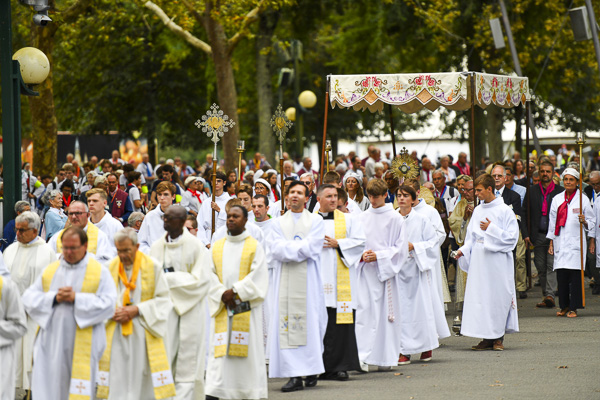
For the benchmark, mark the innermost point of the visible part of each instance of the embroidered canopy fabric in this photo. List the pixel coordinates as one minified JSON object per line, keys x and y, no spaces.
{"x":412,"y":92}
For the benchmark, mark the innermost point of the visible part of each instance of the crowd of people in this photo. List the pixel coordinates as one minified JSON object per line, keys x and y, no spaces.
{"x":126,"y":281}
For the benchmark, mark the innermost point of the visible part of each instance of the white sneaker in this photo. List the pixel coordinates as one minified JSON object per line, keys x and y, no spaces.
{"x":364,"y":367}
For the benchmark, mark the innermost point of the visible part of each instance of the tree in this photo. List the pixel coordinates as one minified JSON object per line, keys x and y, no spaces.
{"x":216,"y":19}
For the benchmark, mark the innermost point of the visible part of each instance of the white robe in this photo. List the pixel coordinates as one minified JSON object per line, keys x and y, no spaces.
{"x":130,"y":376}
{"x":104,"y":250}
{"x":252,"y":229}
{"x":377,"y":337}
{"x":188,"y":287}
{"x":13,"y":325}
{"x":53,"y":349}
{"x":567,"y":243}
{"x":490,"y":306}
{"x":303,"y":360}
{"x":352,"y":248}
{"x":418,"y":316}
{"x":151,"y":230}
{"x":109,"y":226}
{"x":239,"y":377}
{"x":205,"y":215}
{"x":25,"y":263}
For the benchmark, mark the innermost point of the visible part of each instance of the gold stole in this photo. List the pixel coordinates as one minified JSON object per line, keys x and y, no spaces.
{"x":240,"y":326}
{"x":92,"y":235}
{"x":344,"y":291}
{"x":1,"y":286}
{"x":81,"y":370}
{"x":162,"y":379}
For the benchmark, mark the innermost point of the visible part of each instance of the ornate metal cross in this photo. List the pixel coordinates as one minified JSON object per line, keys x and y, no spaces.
{"x":215,"y":124}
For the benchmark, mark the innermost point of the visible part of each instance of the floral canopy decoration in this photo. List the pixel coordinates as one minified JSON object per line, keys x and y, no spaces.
{"x":413,"y":92}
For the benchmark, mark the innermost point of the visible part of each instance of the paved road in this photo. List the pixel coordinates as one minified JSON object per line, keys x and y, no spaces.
{"x":551,"y":358}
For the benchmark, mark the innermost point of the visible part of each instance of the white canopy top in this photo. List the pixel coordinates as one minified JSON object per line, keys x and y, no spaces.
{"x":411,"y":92}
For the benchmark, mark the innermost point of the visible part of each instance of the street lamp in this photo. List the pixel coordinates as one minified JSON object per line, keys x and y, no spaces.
{"x":34,"y":66}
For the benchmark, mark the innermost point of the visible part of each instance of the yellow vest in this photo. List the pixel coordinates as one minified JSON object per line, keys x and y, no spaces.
{"x":81,"y":372}
{"x":240,"y":325}
{"x":162,"y":378}
{"x":92,"y":235}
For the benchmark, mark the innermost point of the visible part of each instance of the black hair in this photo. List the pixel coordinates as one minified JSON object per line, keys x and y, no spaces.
{"x":244,"y":211}
{"x":262,"y":196}
{"x":296,"y":183}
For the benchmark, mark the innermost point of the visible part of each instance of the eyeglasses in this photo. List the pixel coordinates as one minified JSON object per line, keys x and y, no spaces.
{"x":78,"y":213}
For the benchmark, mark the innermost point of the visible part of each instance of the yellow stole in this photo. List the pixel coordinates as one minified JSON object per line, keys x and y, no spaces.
{"x":81,"y":371}
{"x":344,"y":292}
{"x":92,"y":234}
{"x":240,"y":326}
{"x":1,"y":286}
{"x":162,"y":379}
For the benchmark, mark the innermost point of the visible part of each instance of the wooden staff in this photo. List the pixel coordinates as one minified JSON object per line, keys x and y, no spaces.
{"x":324,"y":132}
{"x":581,"y":142}
{"x":214,"y":185}
{"x":241,"y":146}
{"x":392,"y":130}
{"x":281,"y":178}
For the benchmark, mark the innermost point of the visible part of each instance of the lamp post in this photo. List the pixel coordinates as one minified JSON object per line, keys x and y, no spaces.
{"x":29,"y":66}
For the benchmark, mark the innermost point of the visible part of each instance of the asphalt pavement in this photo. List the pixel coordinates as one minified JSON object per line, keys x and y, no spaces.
{"x":550,"y":358}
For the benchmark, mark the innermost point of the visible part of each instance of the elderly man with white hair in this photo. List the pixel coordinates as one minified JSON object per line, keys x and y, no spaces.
{"x":25,"y":259}
{"x":564,"y":223}
{"x":136,"y":330}
{"x":135,"y":220}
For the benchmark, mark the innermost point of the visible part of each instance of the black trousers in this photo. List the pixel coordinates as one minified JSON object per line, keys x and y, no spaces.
{"x":569,"y":288}
{"x":340,"y":350}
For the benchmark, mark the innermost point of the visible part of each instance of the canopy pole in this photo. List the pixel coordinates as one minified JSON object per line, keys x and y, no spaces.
{"x":473,"y":158}
{"x":528,"y":186}
{"x":392,"y":129}
{"x":324,"y":133}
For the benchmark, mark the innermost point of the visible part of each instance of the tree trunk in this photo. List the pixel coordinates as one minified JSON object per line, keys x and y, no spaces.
{"x":226,"y":91}
{"x":494,"y":128}
{"x":266,"y":137}
{"x":43,"y":119}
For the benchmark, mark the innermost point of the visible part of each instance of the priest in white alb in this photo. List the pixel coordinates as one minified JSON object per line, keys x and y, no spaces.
{"x":378,"y":327}
{"x":184,"y":260}
{"x":206,"y":210}
{"x":418,"y":332}
{"x":490,"y":307}
{"x":299,"y":317}
{"x":342,"y":250}
{"x":238,"y":285}
{"x":70,"y":302}
{"x":25,"y":259}
{"x":98,"y":243}
{"x":13,"y":325}
{"x":135,"y":364}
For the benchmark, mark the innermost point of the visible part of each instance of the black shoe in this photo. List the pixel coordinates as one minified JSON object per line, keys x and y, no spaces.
{"x":522,"y":295}
{"x":596,"y":289}
{"x":292,"y":385}
{"x":341,"y":376}
{"x":208,"y":397}
{"x":334,"y":376}
{"x":311,"y":381}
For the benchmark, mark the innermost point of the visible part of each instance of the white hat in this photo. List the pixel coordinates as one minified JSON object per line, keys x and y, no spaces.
{"x":264,"y":182}
{"x":201,"y":179}
{"x":570,"y":171}
{"x":258,"y":174}
{"x":190,"y":179}
{"x":351,"y":174}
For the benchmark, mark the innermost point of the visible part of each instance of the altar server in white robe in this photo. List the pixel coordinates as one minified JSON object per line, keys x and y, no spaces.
{"x":490,"y":307}
{"x":184,"y":259}
{"x":135,"y":363}
{"x":299,"y":317}
{"x":378,"y":327}
{"x":70,"y":302}
{"x":97,"y":200}
{"x":239,"y":278}
{"x":206,"y":211}
{"x":98,"y":243}
{"x":342,"y":250}
{"x":13,"y":325}
{"x":418,"y":332}
{"x":152,"y":226}
{"x":25,"y":259}
{"x":563,"y":231}
{"x":262,"y":219}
